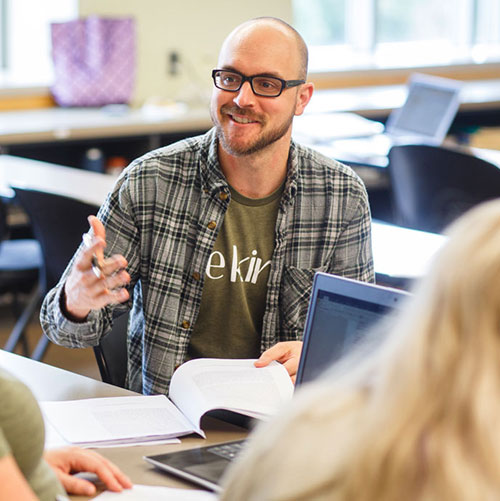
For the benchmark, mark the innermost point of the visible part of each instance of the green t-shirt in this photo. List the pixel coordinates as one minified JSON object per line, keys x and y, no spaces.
{"x":233,"y":302}
{"x":22,"y":435}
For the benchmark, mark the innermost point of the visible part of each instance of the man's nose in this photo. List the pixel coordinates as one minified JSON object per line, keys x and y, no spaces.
{"x":245,"y":96}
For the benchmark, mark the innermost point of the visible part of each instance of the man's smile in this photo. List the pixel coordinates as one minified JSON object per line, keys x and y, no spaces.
{"x":242,"y":120}
{"x":238,"y":115}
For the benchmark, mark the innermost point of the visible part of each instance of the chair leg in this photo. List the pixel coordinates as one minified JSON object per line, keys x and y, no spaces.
{"x":41,"y":348}
{"x":24,"y":345}
{"x":18,"y":310}
{"x":18,"y":332}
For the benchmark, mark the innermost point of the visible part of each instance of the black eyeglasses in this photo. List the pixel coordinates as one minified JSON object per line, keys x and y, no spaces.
{"x":261,"y":85}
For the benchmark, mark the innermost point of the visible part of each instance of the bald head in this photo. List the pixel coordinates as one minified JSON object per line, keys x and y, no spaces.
{"x":280,"y":27}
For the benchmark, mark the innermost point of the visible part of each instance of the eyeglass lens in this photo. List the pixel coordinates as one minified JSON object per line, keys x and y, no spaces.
{"x":265,"y":86}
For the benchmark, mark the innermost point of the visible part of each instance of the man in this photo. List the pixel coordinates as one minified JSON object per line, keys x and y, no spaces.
{"x":217,"y":237}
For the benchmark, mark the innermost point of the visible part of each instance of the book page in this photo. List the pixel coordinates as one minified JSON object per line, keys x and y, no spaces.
{"x":116,"y":419}
{"x":205,"y":384}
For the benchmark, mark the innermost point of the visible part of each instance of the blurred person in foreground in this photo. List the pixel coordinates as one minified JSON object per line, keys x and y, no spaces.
{"x":26,"y":472}
{"x":416,"y":419}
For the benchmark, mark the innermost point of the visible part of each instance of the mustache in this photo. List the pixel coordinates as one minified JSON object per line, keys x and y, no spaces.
{"x":229,"y":109}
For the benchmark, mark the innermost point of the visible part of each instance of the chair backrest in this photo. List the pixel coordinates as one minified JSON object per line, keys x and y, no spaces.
{"x":58,"y":223}
{"x":432,"y":185}
{"x":111,"y":353}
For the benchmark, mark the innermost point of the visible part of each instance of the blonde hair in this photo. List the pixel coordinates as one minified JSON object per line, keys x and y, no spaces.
{"x":418,"y":418}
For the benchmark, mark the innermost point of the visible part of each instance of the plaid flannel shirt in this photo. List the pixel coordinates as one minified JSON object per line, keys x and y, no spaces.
{"x":163,"y":216}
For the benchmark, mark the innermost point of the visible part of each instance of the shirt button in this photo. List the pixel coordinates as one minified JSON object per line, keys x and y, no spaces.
{"x":211,"y":225}
{"x":185,"y":324}
{"x":196,"y":276}
{"x":223,"y":195}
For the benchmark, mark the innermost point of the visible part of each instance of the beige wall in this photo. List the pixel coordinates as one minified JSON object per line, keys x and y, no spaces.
{"x":193,"y":28}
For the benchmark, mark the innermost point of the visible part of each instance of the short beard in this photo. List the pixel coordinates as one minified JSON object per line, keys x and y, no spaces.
{"x":261,"y":143}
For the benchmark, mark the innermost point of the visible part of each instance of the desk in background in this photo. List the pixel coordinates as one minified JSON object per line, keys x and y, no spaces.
{"x":479,"y":101}
{"x":63,"y":135}
{"x":51,"y":383}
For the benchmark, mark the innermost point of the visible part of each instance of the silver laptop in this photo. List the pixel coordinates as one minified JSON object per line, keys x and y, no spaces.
{"x":425,"y":118}
{"x":341,"y":312}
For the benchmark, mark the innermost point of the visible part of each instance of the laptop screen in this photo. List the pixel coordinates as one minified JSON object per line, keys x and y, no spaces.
{"x":429,"y":109}
{"x":341,"y":312}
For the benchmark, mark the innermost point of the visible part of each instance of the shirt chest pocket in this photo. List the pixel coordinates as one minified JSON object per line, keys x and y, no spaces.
{"x":294,"y":301}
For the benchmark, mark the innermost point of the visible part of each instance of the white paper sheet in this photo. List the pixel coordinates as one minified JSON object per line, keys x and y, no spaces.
{"x":109,"y":421}
{"x":154,"y":493}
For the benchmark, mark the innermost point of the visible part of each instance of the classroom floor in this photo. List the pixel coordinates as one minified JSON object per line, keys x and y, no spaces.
{"x":78,"y":360}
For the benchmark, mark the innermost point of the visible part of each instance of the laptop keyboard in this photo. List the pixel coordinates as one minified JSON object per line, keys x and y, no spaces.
{"x":227,"y":451}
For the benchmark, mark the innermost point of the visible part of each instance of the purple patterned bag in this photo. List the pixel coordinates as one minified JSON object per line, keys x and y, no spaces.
{"x":94,"y":61}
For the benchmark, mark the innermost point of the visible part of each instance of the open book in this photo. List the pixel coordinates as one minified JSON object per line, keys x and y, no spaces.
{"x":197,"y":387}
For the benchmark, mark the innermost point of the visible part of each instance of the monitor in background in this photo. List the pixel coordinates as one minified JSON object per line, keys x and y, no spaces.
{"x":341,"y":312}
{"x":429,"y":109}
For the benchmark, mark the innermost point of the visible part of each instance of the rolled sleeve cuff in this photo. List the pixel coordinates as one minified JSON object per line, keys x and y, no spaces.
{"x":78,"y":334}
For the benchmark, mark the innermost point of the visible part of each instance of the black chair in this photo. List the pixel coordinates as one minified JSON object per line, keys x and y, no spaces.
{"x":20,"y":267}
{"x":111,"y":353}
{"x":58,"y":224}
{"x":431,"y":186}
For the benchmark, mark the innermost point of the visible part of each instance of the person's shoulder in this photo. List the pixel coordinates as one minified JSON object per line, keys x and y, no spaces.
{"x":174,"y":163}
{"x":312,"y":163}
{"x":12,"y":389}
{"x":176,"y":154}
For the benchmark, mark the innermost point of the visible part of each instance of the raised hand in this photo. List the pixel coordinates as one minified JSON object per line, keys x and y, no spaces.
{"x":87,"y":290}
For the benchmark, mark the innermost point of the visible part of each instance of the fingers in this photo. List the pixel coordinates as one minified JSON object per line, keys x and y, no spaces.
{"x":281,"y":352}
{"x":75,"y":460}
{"x":273,"y":353}
{"x":97,"y":227}
{"x":116,"y":474}
{"x":93,"y":246}
{"x":292,"y":366}
{"x":86,"y":291}
{"x":100,"y":233}
{"x":287,"y":353}
{"x":94,"y":281}
{"x":107,"y":472}
{"x":76,"y":485}
{"x":107,"y":289}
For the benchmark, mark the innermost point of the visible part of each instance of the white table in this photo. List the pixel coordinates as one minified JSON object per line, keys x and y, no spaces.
{"x":91,"y":187}
{"x":403,"y":253}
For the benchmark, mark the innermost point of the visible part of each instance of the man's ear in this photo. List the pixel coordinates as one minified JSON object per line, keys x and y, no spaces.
{"x":303,"y":97}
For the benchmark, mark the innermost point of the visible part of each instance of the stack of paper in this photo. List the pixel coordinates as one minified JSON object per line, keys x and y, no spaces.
{"x":116,"y":421}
